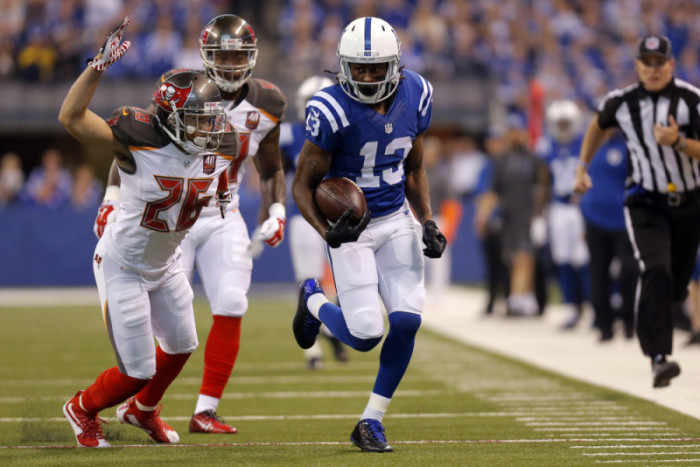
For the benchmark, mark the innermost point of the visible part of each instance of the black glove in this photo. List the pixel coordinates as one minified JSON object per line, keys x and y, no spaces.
{"x":435,"y":241}
{"x":223,"y":199}
{"x":343,"y":232}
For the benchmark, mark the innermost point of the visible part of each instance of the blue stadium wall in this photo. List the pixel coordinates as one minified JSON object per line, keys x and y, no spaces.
{"x":50,"y":247}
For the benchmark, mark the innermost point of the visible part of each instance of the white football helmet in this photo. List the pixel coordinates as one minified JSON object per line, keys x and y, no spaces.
{"x":369,"y":40}
{"x":307,"y":89}
{"x":563,"y":120}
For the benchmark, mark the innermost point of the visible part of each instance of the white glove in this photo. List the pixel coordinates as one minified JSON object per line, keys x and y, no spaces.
{"x":538,"y":231}
{"x":223,"y":199}
{"x":272,"y":230}
{"x":108,"y":211}
{"x":112,"y":50}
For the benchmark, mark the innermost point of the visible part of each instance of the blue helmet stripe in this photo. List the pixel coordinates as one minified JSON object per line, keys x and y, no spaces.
{"x":368,"y":36}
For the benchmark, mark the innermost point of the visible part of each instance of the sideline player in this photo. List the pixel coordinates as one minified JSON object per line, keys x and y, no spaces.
{"x":308,"y":250}
{"x":370,"y":128}
{"x":567,"y":233}
{"x":220,"y":248}
{"x":169,"y":164}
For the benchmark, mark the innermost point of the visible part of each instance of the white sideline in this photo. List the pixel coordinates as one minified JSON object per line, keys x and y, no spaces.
{"x":617,"y":365}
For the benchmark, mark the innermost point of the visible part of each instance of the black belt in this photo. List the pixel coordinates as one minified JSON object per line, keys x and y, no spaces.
{"x":673,"y":199}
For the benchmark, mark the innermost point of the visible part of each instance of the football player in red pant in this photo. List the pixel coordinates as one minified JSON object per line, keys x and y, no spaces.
{"x":186,"y":145}
{"x":220,"y":248}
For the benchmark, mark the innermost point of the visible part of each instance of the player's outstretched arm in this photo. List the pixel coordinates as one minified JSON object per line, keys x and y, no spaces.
{"x":81,"y":123}
{"x":313,"y":165}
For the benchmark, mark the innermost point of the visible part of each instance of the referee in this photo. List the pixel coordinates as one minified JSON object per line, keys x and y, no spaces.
{"x":659,"y":119}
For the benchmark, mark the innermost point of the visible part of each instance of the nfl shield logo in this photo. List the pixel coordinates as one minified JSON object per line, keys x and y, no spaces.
{"x":252,"y":120}
{"x":388,"y":128}
{"x":652,"y":43}
{"x":209,"y":164}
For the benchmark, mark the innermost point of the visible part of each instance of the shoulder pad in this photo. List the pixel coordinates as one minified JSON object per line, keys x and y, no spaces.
{"x":136,"y":127}
{"x":267,"y":97}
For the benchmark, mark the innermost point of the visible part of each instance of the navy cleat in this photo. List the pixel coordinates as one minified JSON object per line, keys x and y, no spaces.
{"x":305,"y":326}
{"x":368,"y":435}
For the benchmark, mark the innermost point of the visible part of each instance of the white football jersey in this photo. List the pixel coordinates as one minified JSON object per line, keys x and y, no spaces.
{"x":163,"y":197}
{"x":254,"y":117}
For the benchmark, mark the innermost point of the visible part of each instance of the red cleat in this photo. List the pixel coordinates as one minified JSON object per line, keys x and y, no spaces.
{"x":87,"y":428}
{"x":209,"y":422}
{"x":148,"y":421}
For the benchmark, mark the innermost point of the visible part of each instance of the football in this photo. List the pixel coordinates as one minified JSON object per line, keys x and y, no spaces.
{"x":335,"y":195}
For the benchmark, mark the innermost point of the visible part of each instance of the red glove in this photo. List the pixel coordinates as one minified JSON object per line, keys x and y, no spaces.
{"x":113,"y":48}
{"x":272,"y":230}
{"x":105,"y":216}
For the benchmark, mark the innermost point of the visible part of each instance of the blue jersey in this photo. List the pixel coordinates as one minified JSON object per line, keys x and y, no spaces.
{"x":603,"y":204}
{"x":562,"y":160}
{"x":367,"y":147}
{"x":292,"y":137}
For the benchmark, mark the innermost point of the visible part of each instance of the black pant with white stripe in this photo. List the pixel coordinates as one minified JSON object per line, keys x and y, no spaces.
{"x":665,"y":239}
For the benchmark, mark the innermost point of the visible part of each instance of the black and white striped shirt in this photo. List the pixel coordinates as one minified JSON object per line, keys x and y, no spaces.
{"x":634,"y":111}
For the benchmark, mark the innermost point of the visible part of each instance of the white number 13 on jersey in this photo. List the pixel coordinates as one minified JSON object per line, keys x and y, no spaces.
{"x":392,"y":175}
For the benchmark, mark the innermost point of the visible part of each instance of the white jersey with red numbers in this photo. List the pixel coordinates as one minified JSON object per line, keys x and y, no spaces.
{"x":260,"y":110}
{"x":254,"y":114}
{"x":164,"y":194}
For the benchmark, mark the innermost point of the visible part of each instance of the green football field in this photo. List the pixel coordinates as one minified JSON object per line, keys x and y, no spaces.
{"x":457,"y":405}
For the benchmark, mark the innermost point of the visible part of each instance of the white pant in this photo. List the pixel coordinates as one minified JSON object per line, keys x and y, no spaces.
{"x":136,"y":308}
{"x":567,"y":235}
{"x":308,"y":249}
{"x":387,"y":258}
{"x":220,"y":250}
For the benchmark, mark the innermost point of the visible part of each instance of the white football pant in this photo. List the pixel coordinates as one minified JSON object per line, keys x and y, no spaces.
{"x":220,"y":250}
{"x":136,"y":308}
{"x":567,"y":235}
{"x":387,"y":258}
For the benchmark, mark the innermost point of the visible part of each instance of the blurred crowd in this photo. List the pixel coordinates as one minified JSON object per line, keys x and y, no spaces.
{"x":51,"y":184}
{"x":576,"y":49}
{"x":50,"y":40}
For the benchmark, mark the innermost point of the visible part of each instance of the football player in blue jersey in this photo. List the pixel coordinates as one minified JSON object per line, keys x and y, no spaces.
{"x":306,"y":246}
{"x":603,"y":210}
{"x":560,"y":149}
{"x":369,"y":128}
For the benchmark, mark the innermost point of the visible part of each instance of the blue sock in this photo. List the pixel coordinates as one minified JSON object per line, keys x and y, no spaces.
{"x":332,"y":316}
{"x":396,"y":352}
{"x":583,"y":279}
{"x":566,"y":276}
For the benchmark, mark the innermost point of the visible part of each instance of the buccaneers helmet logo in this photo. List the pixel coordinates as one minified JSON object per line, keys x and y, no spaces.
{"x":171,"y":97}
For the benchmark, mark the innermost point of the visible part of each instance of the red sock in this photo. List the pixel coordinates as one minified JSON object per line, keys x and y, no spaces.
{"x":168,"y":366}
{"x":220,"y":354}
{"x":110,"y":388}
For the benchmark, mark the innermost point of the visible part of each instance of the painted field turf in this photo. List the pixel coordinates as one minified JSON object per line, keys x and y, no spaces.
{"x":457,"y":405}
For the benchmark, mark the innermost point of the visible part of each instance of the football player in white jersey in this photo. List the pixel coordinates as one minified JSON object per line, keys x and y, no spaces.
{"x":170,"y":163}
{"x":220,"y":248}
{"x":369,"y":128}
